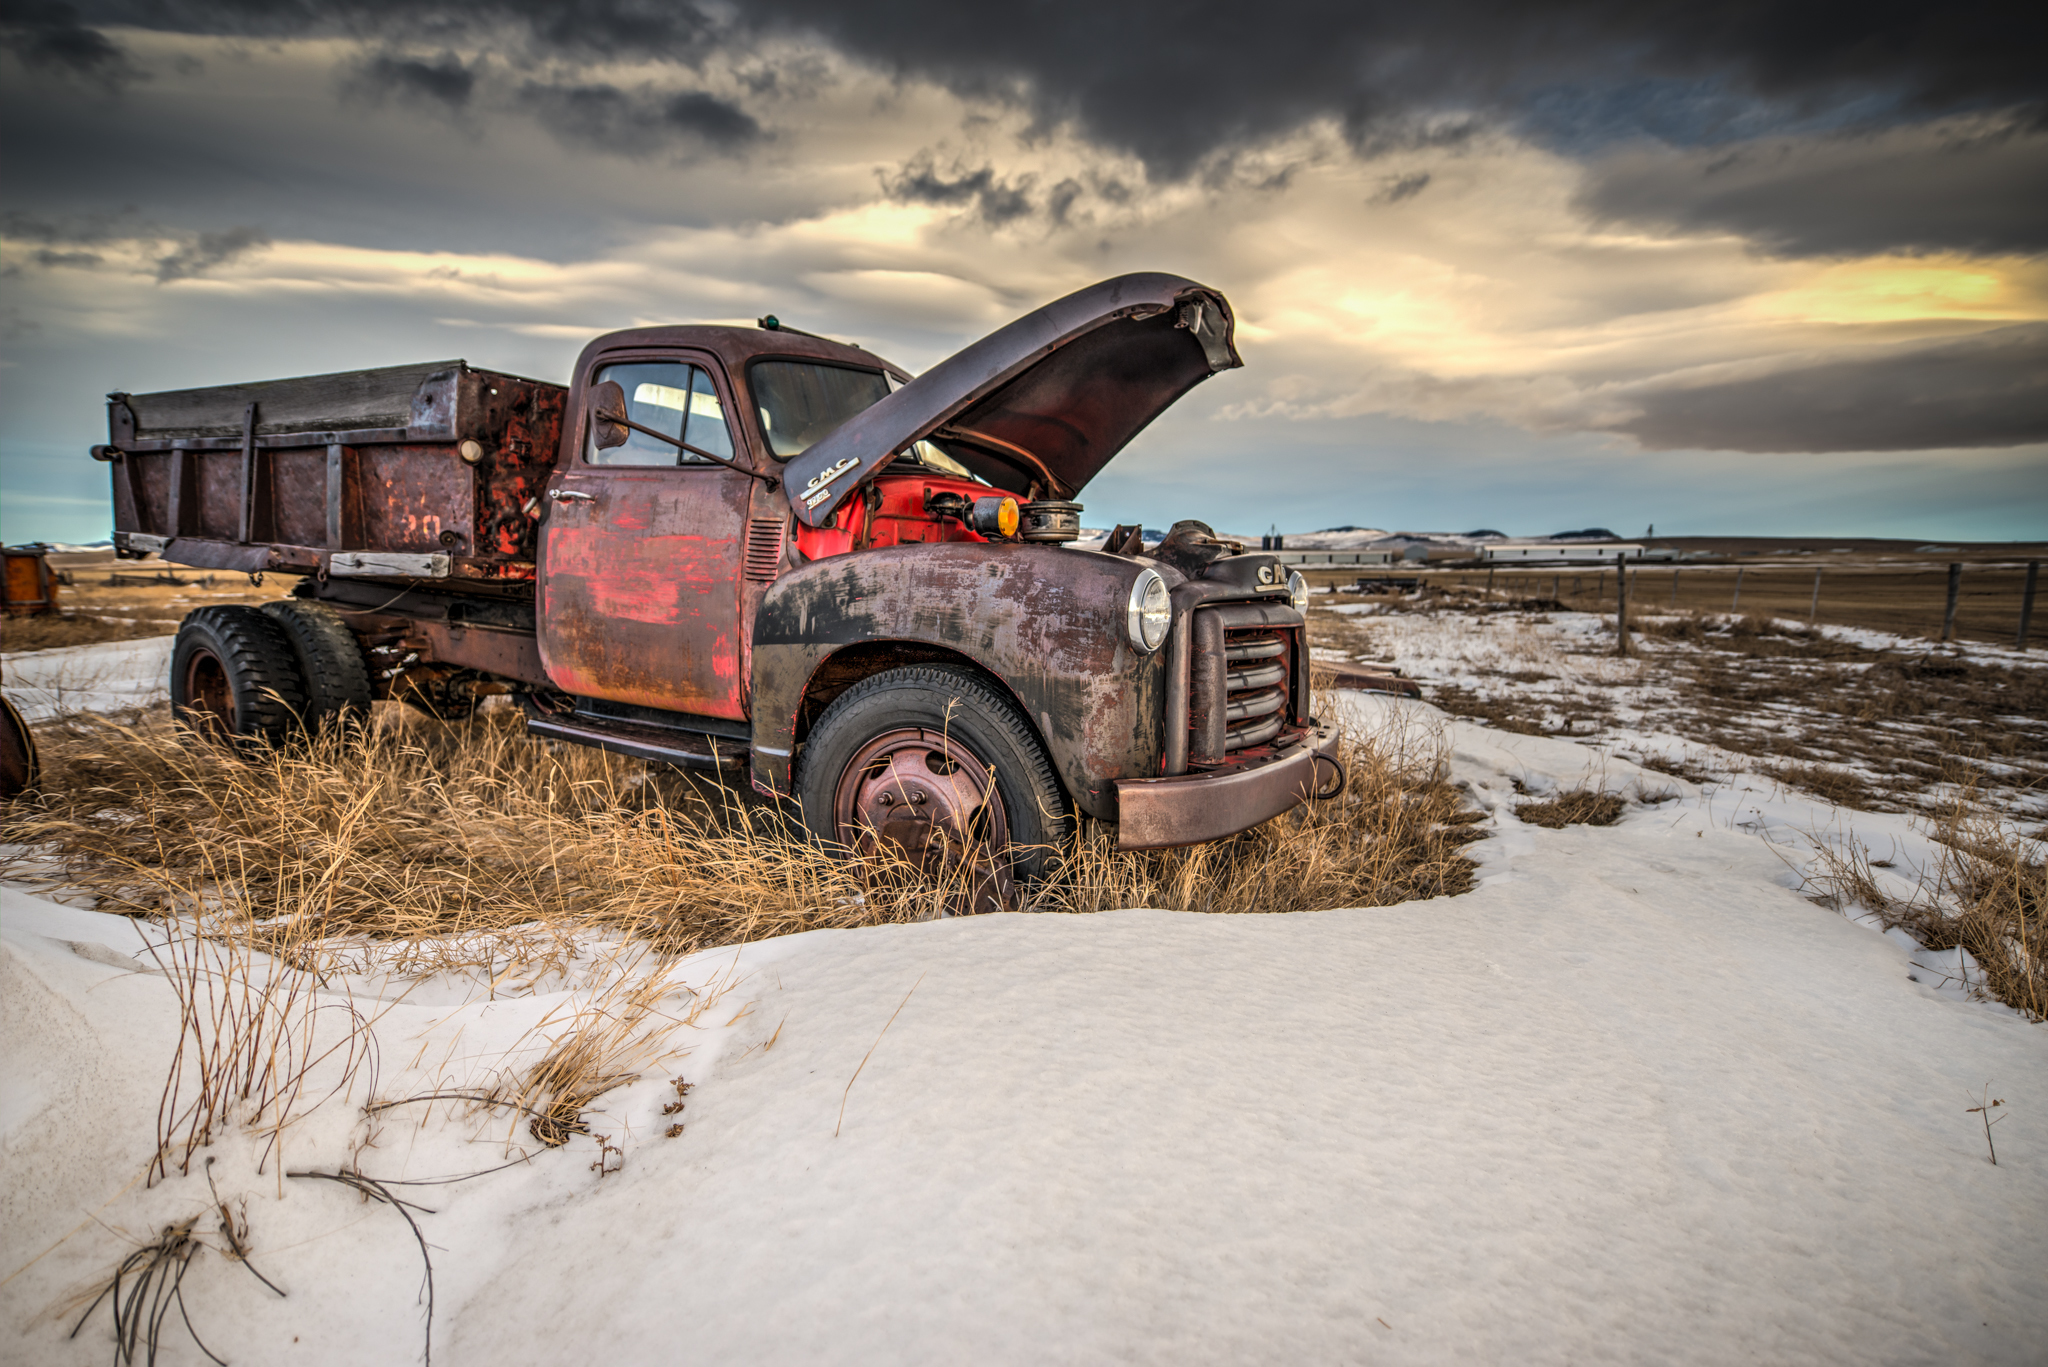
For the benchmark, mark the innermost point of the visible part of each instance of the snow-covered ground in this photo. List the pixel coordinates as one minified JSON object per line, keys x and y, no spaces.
{"x":96,"y":678}
{"x":1636,"y":1098}
{"x":1558,"y":669}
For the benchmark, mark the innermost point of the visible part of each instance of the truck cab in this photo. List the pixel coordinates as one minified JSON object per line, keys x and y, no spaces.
{"x":778,"y":558}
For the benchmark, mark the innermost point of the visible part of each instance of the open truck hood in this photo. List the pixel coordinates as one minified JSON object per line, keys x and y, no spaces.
{"x":1048,"y":399}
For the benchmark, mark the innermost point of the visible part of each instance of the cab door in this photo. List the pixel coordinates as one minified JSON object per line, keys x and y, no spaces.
{"x":640,"y":560}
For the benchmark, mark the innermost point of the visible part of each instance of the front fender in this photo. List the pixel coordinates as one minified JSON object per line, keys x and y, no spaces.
{"x":1047,"y":622}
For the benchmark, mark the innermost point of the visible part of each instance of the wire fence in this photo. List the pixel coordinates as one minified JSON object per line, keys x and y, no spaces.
{"x":1960,"y":601}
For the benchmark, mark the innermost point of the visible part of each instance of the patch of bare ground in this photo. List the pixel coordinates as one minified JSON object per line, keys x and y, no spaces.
{"x":57,"y":631}
{"x":1883,"y":728}
{"x":1579,"y":807}
{"x":124,"y":600}
{"x":1876,"y":728}
{"x":431,"y":845}
{"x":1677,"y":768}
{"x":1576,"y":714}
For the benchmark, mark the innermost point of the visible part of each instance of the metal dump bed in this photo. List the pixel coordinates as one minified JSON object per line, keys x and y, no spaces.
{"x":424,"y":471}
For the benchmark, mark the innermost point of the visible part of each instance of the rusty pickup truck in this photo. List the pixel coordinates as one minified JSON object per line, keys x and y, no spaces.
{"x":762,"y":554}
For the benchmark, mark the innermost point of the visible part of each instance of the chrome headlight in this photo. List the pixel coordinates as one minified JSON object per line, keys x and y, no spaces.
{"x":1297,"y":591}
{"x":1150,"y":613}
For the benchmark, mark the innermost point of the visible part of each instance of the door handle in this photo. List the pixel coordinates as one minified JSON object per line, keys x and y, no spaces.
{"x":570,"y":496}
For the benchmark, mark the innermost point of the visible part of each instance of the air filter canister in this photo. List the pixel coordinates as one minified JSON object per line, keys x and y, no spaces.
{"x":1050,"y":520}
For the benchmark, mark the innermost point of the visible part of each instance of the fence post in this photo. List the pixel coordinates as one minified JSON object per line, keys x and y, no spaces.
{"x":2027,"y":601}
{"x":1622,"y":646}
{"x":1674,"y":588}
{"x":1948,"y":616}
{"x":1489,"y":583}
{"x":1736,"y":602}
{"x":1813,"y":612}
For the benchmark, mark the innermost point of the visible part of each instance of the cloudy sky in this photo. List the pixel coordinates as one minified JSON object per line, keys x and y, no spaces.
{"x":1722,"y":267}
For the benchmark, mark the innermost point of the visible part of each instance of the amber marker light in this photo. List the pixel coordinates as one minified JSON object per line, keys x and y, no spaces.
{"x":996,"y":517}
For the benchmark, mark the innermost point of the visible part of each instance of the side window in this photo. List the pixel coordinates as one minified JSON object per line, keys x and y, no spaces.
{"x":670,"y":397}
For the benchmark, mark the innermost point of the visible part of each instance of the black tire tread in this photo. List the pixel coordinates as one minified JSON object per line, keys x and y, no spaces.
{"x":262,"y":668}
{"x":994,"y":707}
{"x":330,"y":660}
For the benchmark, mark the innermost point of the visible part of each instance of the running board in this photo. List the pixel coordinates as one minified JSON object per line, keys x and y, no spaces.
{"x":683,"y":749}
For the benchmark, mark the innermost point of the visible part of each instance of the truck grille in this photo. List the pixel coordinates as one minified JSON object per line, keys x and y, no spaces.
{"x":1255,"y":686}
{"x":1240,"y":681}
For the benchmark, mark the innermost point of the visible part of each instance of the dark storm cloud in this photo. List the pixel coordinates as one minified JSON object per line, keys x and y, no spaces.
{"x":1398,"y":188}
{"x":53,"y":37}
{"x":637,"y":122}
{"x":722,"y":124}
{"x":1174,"y":80}
{"x":446,"y":79}
{"x":1975,"y":187}
{"x":997,"y":201}
{"x":1990,"y":389}
{"x":202,"y":253}
{"x":69,"y":242}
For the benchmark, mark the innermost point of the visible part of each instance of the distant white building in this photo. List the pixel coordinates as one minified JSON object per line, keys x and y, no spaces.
{"x":1566,"y":552}
{"x":1290,"y":556}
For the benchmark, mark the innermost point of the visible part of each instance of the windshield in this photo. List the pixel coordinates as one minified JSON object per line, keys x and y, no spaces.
{"x":801,"y":402}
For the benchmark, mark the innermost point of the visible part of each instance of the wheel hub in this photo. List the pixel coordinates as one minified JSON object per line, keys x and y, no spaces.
{"x":209,"y":699}
{"x":932,"y":799}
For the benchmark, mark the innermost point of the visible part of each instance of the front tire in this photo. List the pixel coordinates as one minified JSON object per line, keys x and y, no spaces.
{"x":935,"y":762}
{"x":234,"y":675}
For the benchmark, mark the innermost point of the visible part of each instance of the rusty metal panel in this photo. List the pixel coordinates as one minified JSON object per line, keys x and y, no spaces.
{"x":220,"y":493}
{"x":343,"y":514}
{"x":349,"y":400}
{"x":1045,"y":401}
{"x":123,"y":489}
{"x":28,"y":586}
{"x":146,"y":480}
{"x":1207,"y":716}
{"x":1367,"y":679}
{"x":412,"y":495}
{"x":458,"y":467}
{"x":509,"y":654}
{"x":293,"y":480}
{"x":521,"y":438}
{"x":1158,"y":813}
{"x":1046,"y":623}
{"x":639,"y":588}
{"x":211,"y":554}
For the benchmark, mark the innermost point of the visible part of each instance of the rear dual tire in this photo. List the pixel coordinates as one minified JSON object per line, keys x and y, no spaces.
{"x":331,"y":663}
{"x":246,"y":673}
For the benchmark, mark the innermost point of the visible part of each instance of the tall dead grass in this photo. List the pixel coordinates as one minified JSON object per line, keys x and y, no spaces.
{"x":437,"y":846}
{"x":251,"y":1041}
{"x":1987,"y":894}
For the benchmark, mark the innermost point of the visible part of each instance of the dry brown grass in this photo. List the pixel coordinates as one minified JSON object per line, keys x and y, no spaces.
{"x":433,"y":846}
{"x":1828,"y":782}
{"x":1393,"y":836}
{"x":1579,"y":807}
{"x":1988,"y":895}
{"x":55,"y":631}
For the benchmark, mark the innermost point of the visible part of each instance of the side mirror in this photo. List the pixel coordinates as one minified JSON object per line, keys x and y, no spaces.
{"x":607,"y":400}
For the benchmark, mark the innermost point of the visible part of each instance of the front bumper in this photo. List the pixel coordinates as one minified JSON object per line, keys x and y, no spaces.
{"x":1158,"y":813}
